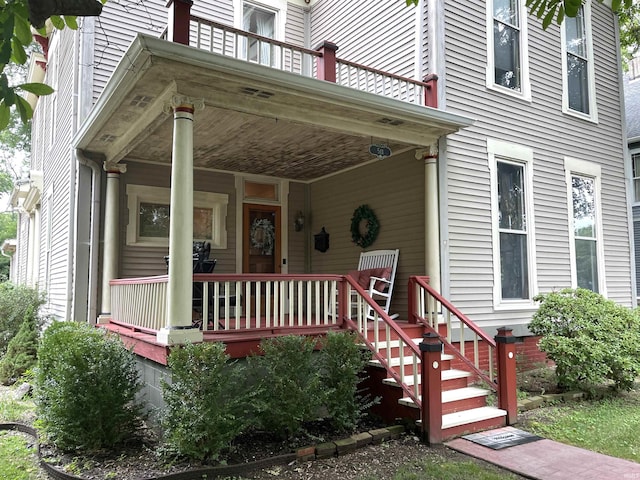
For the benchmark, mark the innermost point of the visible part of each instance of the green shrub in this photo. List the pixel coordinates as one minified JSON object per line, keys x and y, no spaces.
{"x":86,"y":383}
{"x":15,"y":302}
{"x":590,"y":339}
{"x":342,"y":363}
{"x":206,"y":401}
{"x":289,"y":388}
{"x":21,"y":352}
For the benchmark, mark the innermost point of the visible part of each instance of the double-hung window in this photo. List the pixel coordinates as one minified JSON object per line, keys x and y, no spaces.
{"x":265,"y":19}
{"x":507,"y":66}
{"x":585,"y":227}
{"x":513,"y":229}
{"x":579,"y":84}
{"x":635,"y":164}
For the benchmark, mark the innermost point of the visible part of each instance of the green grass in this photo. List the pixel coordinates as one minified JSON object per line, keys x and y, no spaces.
{"x":608,"y":426}
{"x":447,"y":469}
{"x":17,"y":459}
{"x":15,"y":410}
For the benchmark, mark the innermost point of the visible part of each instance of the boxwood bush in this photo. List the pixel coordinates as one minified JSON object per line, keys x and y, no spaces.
{"x":207,"y":403}
{"x":15,"y":302}
{"x":86,"y":385}
{"x":592,"y":340}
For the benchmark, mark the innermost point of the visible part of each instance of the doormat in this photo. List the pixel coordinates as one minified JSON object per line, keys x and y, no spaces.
{"x":502,"y":438}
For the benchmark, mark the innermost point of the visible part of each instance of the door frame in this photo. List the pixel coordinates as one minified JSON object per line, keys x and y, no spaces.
{"x":282,"y":202}
{"x":277,"y":248}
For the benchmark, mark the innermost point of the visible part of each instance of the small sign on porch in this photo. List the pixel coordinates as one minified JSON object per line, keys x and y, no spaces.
{"x":379,"y":150}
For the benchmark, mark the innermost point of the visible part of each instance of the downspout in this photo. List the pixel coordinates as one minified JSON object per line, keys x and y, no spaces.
{"x":94,"y":241}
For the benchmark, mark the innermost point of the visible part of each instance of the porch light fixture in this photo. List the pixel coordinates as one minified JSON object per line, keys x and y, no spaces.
{"x":298,"y":222}
{"x":321,"y":241}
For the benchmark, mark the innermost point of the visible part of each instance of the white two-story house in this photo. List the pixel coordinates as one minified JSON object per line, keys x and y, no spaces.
{"x":497,"y":168}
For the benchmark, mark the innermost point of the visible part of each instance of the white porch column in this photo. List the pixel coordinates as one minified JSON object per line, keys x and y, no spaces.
{"x":431,"y":215}
{"x":179,"y":289}
{"x":111,"y":235}
{"x":35,"y":267}
{"x":31,"y":258}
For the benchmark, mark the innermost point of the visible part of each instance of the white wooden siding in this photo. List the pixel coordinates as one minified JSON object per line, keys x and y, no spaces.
{"x":541,"y":126}
{"x":376,"y":33}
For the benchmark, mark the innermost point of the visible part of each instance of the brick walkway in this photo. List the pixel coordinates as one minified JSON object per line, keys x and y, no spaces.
{"x":549,"y":460}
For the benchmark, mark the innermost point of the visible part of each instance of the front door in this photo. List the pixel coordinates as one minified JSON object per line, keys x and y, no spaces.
{"x":261,"y":239}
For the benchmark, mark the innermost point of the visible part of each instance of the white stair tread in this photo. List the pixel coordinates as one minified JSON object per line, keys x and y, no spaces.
{"x":451,"y":395}
{"x":408,"y":360}
{"x":451,"y":374}
{"x":464,"y":417}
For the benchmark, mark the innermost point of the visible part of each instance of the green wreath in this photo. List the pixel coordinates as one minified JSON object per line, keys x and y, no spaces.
{"x":363,"y":212}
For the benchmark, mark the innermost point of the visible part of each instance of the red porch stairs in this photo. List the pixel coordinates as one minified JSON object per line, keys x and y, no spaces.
{"x":450,"y":398}
{"x":464,"y":403}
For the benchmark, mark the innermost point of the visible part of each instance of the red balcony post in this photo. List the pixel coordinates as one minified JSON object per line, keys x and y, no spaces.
{"x":507,"y":394}
{"x":326,"y":64}
{"x":343,"y":299}
{"x":431,"y":90}
{"x":431,"y":387}
{"x":413,"y":300}
{"x":179,"y":18}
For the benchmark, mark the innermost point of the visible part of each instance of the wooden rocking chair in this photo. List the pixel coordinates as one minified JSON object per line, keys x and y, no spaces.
{"x":376,"y":274}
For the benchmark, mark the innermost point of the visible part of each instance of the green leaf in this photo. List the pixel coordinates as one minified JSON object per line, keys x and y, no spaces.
{"x":18,"y":54}
{"x":36,"y":88}
{"x":9,"y":96}
{"x":572,"y":7}
{"x":22,"y":30}
{"x":560,"y":17}
{"x":548,"y":18}
{"x":71,"y":21}
{"x":5,"y":115}
{"x":57,"y":21}
{"x":24,"y":108}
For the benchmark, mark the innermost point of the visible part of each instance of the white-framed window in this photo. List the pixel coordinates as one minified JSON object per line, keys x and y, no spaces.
{"x":635,"y":166}
{"x":579,"y":90}
{"x":514,"y":264}
{"x":507,"y":48}
{"x":149,"y":213}
{"x":265,"y":18}
{"x":585,"y":224}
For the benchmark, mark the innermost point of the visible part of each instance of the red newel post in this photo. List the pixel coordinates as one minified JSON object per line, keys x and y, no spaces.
{"x":327,"y":62}
{"x":412,"y":301}
{"x":507,"y":396}
{"x":430,"y":350}
{"x":179,"y":19}
{"x":343,"y":299}
{"x":431,"y":91}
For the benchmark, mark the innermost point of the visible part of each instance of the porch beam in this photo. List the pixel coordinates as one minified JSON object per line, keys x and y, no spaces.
{"x":179,"y":327}
{"x":111,"y":235}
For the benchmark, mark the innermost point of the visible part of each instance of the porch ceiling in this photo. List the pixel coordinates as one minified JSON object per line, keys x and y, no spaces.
{"x":256,"y":119}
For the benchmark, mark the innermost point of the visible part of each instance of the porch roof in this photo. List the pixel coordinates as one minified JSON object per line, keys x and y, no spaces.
{"x":256,"y":119}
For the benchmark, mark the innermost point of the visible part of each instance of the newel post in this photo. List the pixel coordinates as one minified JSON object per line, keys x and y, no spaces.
{"x":326,"y":64}
{"x":412,"y":302}
{"x":431,"y":90}
{"x":507,"y":395}
{"x":179,"y":19}
{"x":343,"y":299}
{"x":430,"y":357}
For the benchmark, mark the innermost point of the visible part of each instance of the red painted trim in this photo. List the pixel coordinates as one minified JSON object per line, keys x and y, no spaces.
{"x":431,"y":90}
{"x":326,"y":64}
{"x":184,"y":108}
{"x":44,"y":43}
{"x":431,"y":385}
{"x":507,"y":381}
{"x":181,"y":20}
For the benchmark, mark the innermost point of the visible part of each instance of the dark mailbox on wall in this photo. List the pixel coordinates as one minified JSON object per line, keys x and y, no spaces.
{"x":322,"y":240}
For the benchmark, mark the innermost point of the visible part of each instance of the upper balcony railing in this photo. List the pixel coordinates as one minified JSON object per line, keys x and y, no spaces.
{"x":321,"y":63}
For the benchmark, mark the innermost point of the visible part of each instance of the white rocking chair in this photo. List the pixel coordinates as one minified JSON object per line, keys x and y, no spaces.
{"x":376,"y":274}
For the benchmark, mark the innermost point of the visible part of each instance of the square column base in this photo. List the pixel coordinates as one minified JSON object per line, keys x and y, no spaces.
{"x":168,"y":336}
{"x":103,"y":319}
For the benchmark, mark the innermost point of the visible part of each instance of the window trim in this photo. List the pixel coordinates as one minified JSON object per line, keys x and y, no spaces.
{"x":499,"y":150}
{"x":137,"y":194}
{"x":525,"y":84}
{"x":632,"y":152}
{"x":592,"y":116}
{"x":279,"y":7}
{"x":576,"y":167}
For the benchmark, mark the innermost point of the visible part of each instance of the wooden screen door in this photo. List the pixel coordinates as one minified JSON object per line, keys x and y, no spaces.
{"x":261,"y":239}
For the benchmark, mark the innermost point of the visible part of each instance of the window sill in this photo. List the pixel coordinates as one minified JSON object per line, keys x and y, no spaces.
{"x":515,"y":306}
{"x":524,"y":96}
{"x":582,"y":116}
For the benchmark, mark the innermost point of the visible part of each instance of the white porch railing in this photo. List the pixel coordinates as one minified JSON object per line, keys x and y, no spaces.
{"x":229,"y":41}
{"x":233,"y":302}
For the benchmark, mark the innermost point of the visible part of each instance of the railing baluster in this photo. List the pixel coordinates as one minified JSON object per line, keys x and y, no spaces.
{"x":476,"y":359}
{"x":258,"y":306}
